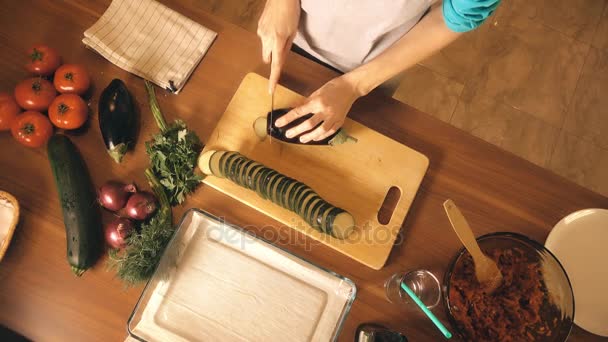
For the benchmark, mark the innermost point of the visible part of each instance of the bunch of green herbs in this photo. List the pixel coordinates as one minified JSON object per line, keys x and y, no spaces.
{"x":137,"y":262}
{"x":173,"y":154}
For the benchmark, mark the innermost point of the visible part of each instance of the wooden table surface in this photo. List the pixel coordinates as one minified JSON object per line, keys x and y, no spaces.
{"x":41,"y":299}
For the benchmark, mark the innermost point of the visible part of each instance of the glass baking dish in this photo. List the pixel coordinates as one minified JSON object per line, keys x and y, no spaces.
{"x":217,"y":282}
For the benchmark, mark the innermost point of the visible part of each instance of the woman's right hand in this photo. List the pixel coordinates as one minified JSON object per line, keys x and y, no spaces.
{"x":277,"y":28}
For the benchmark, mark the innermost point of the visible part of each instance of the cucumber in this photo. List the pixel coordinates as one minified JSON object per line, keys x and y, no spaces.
{"x":81,"y":214}
{"x":280,"y":189}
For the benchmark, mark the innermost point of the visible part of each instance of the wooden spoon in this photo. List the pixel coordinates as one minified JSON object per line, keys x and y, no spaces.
{"x":486,"y":270}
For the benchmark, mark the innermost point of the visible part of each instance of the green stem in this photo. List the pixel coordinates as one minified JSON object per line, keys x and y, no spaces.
{"x":342,"y":138}
{"x":160,"y":193}
{"x":158,"y":115}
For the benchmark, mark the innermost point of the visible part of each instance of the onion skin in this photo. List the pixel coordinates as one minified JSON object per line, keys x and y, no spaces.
{"x":113,"y":195}
{"x":141,"y":205}
{"x":117,"y":232}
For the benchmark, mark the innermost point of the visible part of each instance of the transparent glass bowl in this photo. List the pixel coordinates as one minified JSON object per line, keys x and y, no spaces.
{"x":556,"y":310}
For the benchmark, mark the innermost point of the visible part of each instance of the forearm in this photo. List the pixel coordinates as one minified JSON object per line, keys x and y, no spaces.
{"x":427,"y":37}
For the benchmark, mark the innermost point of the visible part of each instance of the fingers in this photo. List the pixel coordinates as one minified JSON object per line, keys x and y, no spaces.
{"x":328,"y":133}
{"x":322,"y":132}
{"x":304,"y":126}
{"x":278,"y":59}
{"x":266,"y":51}
{"x":308,"y":107}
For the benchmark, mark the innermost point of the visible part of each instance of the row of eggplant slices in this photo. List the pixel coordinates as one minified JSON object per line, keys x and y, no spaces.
{"x":282,"y":190}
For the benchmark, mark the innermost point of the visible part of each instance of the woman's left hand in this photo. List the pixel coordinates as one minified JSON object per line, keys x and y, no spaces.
{"x":329,"y":104}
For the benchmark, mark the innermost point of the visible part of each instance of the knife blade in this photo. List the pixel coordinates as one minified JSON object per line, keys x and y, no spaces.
{"x":271,"y":112}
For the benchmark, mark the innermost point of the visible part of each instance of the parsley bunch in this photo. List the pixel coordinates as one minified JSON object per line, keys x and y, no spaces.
{"x":173,"y":153}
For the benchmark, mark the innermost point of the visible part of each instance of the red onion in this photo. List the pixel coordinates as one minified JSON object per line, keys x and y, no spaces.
{"x":117,"y":231}
{"x":141,"y":205}
{"x":114,"y":195}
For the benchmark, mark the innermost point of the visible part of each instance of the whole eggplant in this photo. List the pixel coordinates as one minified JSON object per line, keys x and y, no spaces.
{"x":264,"y":126}
{"x":117,"y":119}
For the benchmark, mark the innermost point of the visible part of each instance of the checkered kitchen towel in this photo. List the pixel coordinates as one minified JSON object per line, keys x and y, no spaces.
{"x":150,"y":40}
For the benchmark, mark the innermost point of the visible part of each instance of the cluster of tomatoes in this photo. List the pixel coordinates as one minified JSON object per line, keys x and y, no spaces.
{"x":38,"y":95}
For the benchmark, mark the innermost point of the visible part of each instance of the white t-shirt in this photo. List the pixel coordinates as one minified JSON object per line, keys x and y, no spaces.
{"x":348,"y":33}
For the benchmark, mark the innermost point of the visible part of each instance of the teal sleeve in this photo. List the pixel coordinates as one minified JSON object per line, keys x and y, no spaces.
{"x":466,"y":15}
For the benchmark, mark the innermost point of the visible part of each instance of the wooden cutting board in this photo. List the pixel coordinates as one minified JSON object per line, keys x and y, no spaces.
{"x":355,"y":177}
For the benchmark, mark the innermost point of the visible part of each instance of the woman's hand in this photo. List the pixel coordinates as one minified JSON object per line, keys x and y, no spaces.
{"x":329,"y":104}
{"x":277,"y":28}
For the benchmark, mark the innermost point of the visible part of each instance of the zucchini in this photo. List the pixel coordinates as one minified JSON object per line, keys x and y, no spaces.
{"x":272,"y":186}
{"x":81,"y":214}
{"x":288,"y":191}
{"x":309,"y":208}
{"x":341,"y":224}
{"x":257,"y":179}
{"x":264,"y":182}
{"x":240,"y":176}
{"x":278,"y":195}
{"x":280,"y":189}
{"x":230,"y":156}
{"x":268,"y":188}
{"x":306,"y":199}
{"x":252,"y":173}
{"x":305,"y":192}
{"x":294,"y":193}
{"x":233,"y":171}
{"x":317,"y":216}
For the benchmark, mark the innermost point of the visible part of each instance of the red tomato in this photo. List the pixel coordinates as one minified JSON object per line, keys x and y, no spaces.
{"x":72,"y":78}
{"x":42,"y":60}
{"x":32,"y":129}
{"x":68,"y":111}
{"x":8,"y":111}
{"x":35,"y":94}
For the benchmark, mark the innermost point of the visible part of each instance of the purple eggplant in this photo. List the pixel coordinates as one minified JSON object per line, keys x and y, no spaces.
{"x":264,"y":127}
{"x":117,"y":119}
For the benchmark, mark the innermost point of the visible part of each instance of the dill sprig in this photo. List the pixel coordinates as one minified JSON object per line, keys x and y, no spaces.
{"x":138,"y":261}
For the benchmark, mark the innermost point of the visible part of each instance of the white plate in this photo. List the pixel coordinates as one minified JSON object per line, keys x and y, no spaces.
{"x":580,"y":242}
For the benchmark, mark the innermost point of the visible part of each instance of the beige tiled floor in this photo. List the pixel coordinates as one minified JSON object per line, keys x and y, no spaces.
{"x":535,"y":82}
{"x":532,"y":80}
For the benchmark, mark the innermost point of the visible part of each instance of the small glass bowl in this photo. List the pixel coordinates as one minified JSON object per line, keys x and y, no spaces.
{"x":558,"y":307}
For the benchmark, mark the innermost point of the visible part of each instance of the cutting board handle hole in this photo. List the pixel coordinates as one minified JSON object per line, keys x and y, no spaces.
{"x":388,"y":205}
